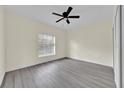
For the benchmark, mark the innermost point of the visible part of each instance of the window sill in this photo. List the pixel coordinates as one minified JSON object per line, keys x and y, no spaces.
{"x":45,"y":55}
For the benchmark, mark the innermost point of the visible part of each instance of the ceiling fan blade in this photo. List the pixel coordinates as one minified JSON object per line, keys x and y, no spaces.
{"x":74,"y":17}
{"x":69,"y":10}
{"x":57,"y":14}
{"x":68,"y":21}
{"x":59,"y":19}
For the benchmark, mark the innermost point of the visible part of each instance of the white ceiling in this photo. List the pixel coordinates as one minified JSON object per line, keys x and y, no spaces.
{"x":43,"y":13}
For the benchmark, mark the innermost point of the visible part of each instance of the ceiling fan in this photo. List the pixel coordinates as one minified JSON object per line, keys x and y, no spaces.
{"x":66,"y":15}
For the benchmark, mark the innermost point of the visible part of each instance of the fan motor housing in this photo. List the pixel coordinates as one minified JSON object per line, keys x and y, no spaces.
{"x":65,"y":14}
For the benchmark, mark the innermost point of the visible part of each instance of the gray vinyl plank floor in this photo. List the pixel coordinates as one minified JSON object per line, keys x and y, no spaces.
{"x":65,"y":73}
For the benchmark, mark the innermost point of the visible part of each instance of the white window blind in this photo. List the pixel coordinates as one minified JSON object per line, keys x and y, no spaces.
{"x":46,"y":45}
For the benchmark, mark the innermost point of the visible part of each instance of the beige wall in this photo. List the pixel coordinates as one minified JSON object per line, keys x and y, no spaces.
{"x":92,"y":43}
{"x":22,"y":42}
{"x":2,"y":44}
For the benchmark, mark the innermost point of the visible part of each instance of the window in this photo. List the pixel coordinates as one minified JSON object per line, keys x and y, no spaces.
{"x":46,"y":45}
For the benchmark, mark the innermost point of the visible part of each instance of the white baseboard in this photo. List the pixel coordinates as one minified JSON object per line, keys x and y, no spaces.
{"x":1,"y":79}
{"x":32,"y":64}
{"x":40,"y":62}
{"x":90,"y":62}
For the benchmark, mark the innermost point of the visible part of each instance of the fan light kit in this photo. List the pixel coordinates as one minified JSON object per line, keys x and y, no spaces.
{"x":66,"y":15}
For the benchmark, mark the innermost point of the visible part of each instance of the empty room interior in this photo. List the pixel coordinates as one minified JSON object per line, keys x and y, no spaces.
{"x":58,"y":46}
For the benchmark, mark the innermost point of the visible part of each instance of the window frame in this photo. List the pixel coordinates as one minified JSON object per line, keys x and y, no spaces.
{"x":49,"y":54}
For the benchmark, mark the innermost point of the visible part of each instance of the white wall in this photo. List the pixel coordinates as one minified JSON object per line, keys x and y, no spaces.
{"x":22,"y":41}
{"x":2,"y":44}
{"x":92,"y":43}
